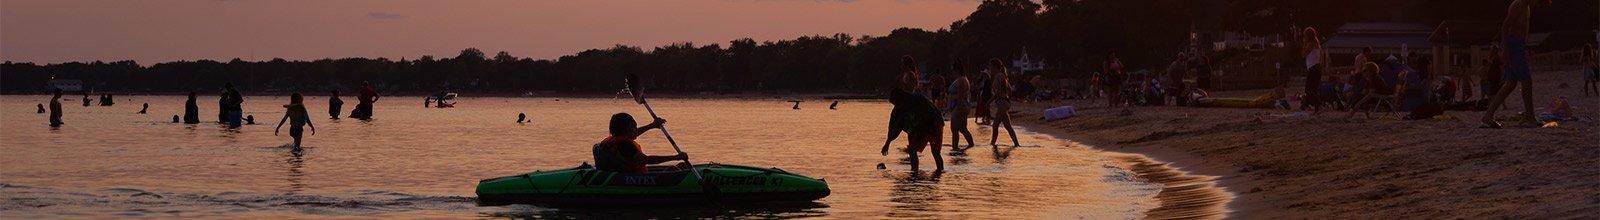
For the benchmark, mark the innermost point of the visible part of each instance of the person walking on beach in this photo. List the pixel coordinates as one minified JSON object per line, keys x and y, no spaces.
{"x":365,"y":99}
{"x":1517,"y":72}
{"x":1176,"y":72}
{"x":960,"y":106}
{"x":1493,"y":70}
{"x":297,"y":116}
{"x":1311,"y":49}
{"x":191,"y":110}
{"x":1114,"y":79}
{"x":1001,"y":102}
{"x":231,"y":104}
{"x":1591,"y":71}
{"x":335,"y":105}
{"x":1202,"y":68}
{"x":55,"y":109}
{"x":916,"y":116}
{"x":984,"y":93}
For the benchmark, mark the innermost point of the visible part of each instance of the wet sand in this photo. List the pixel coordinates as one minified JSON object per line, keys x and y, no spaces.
{"x":1279,"y":166}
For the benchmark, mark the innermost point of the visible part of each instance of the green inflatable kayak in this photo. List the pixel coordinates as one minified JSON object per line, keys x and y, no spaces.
{"x":585,"y":185}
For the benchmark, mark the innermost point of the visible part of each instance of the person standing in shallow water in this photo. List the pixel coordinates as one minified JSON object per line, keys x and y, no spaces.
{"x":86,"y":99}
{"x":41,"y":109}
{"x":335,"y":105}
{"x":145,"y":109}
{"x":231,"y":101}
{"x":960,"y":106}
{"x":297,"y":116}
{"x":1002,"y":103}
{"x":55,"y":109}
{"x":916,"y":116}
{"x":365,"y":99}
{"x":191,"y":110}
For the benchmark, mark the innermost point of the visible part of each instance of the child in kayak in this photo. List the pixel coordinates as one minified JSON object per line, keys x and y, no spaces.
{"x":297,"y":116}
{"x":916,"y":116}
{"x":619,"y":153}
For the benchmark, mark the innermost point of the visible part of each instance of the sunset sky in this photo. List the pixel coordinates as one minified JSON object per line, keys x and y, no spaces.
{"x":54,"y":31}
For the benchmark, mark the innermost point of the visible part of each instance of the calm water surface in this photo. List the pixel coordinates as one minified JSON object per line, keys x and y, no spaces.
{"x":415,"y":162}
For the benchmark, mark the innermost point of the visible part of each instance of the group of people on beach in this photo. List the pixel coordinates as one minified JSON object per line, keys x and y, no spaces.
{"x":1408,"y":83}
{"x":920,"y":108}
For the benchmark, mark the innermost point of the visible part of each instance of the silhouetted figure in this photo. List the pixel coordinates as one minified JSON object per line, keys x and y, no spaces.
{"x":1001,"y":102}
{"x":834,"y":106}
{"x":55,"y":109}
{"x":41,"y":108}
{"x":231,"y":104}
{"x":365,"y":99}
{"x":427,"y":101}
{"x":796,"y":105}
{"x":174,"y":118}
{"x":522,"y":117}
{"x":106,"y":100}
{"x":916,"y":116}
{"x":620,"y":153}
{"x":86,"y":99}
{"x":335,"y":105}
{"x":145,"y":109}
{"x":1517,"y":72}
{"x":250,"y":120}
{"x":191,"y":110}
{"x":960,"y":100}
{"x":297,"y":116}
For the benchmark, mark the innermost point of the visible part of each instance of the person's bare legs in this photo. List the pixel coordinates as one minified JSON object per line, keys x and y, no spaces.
{"x":1591,"y":85}
{"x":297,"y":141}
{"x":913,"y":158}
{"x":938,"y":159}
{"x":1527,"y":101}
{"x":955,"y":136}
{"x":968,"y":134}
{"x":1499,"y":99}
{"x":1013,"y":133}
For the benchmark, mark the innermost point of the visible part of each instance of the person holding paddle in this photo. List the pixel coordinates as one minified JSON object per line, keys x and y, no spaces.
{"x":917,"y":117}
{"x":619,"y":153}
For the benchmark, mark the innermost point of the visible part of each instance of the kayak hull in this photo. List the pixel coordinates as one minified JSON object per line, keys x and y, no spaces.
{"x":585,"y":185}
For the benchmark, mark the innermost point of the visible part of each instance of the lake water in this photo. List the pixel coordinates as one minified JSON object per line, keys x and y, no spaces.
{"x":415,"y":162}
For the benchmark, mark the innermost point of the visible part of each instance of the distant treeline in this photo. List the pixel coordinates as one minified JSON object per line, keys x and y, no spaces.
{"x":1071,"y":36}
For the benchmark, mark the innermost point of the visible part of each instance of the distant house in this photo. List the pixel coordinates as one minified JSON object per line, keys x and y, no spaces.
{"x":1024,"y":65}
{"x":1385,"y":39}
{"x":67,"y":85}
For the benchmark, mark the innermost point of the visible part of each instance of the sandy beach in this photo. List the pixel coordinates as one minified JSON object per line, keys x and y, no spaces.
{"x":1281,"y":166}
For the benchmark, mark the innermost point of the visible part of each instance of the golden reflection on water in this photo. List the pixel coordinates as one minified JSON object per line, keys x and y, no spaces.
{"x":418,"y":162}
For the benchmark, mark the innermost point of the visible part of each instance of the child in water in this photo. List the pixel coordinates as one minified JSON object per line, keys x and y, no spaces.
{"x":297,"y":116}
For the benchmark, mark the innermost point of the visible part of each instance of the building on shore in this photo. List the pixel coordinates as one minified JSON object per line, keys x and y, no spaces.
{"x":1385,"y":39}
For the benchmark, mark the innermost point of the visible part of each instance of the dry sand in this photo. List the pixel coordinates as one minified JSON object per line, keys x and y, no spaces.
{"x":1325,"y":166}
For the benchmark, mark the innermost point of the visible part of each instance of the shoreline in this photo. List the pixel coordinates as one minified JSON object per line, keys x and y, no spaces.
{"x":1277,"y":165}
{"x":1190,"y":192}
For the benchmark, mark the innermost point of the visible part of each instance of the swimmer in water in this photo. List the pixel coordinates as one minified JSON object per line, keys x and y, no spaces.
{"x":55,"y":109}
{"x":522,"y":117}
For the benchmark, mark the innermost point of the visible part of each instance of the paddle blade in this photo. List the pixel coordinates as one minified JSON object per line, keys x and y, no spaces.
{"x":634,"y":88}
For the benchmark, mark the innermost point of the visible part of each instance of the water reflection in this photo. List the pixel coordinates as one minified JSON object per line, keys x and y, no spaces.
{"x":296,"y":161}
{"x":915,"y":194}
